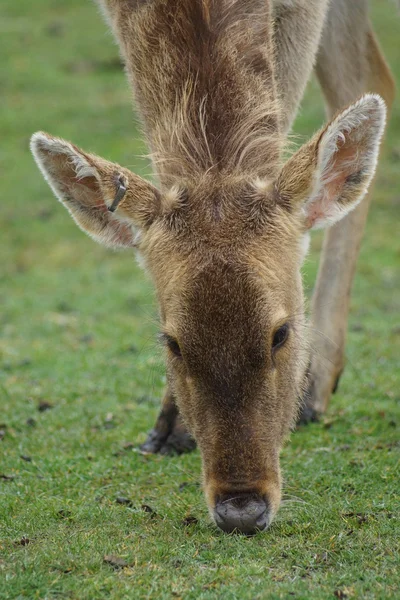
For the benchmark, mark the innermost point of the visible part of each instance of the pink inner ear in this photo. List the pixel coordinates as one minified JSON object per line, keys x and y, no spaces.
{"x":325,"y":205}
{"x":344,"y":164}
{"x":88,"y":182}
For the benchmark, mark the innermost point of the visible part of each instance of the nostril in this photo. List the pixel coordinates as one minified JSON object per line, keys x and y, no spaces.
{"x":245,"y":514}
{"x":261,"y":522}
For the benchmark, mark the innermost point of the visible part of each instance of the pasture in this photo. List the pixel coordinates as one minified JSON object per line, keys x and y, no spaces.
{"x":83,"y":515}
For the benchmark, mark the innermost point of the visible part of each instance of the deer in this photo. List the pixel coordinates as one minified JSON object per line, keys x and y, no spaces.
{"x":224,"y":228}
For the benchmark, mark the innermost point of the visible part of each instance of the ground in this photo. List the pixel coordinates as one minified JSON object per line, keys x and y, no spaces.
{"x":81,"y":374}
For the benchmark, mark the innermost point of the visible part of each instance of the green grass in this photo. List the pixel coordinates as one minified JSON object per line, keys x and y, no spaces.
{"x":77,"y":331}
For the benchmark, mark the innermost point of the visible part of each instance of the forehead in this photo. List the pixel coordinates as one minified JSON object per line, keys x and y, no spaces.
{"x":223,"y":290}
{"x":223,"y":314}
{"x":230,"y":299}
{"x":227,"y":257}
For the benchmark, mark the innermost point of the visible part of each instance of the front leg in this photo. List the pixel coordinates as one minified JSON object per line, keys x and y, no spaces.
{"x":321,"y":380}
{"x":170,"y":435}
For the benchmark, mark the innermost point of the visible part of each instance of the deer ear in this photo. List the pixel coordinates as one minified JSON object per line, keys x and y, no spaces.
{"x":330,"y":175}
{"x":90,"y":188}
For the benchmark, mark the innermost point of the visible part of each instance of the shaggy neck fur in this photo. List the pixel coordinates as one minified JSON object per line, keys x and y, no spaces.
{"x":204,"y":84}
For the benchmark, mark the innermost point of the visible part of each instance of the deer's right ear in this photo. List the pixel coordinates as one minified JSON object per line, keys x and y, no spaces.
{"x":107,"y":201}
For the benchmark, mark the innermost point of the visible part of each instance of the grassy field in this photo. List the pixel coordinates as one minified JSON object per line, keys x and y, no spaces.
{"x":81,"y":375}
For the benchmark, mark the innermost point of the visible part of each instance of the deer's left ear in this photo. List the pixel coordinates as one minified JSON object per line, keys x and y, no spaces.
{"x":107,"y":201}
{"x":330,"y":175}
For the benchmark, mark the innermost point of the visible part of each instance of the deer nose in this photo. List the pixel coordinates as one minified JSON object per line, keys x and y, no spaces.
{"x":243,"y":513}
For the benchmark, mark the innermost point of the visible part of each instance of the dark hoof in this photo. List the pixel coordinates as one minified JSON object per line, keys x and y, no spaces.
{"x":336,"y":384}
{"x":307,"y":415}
{"x":153,"y":443}
{"x":175,"y":443}
{"x":178,"y":443}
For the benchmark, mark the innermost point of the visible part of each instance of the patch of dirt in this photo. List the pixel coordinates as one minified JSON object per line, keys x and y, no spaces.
{"x":345,"y":592}
{"x":116,"y":562}
{"x":360,"y":517}
{"x":124,"y":501}
{"x":24,"y":541}
{"x":149,"y":510}
{"x":189,"y":520}
{"x":64,"y":514}
{"x":187,"y":484}
{"x":43,"y":406}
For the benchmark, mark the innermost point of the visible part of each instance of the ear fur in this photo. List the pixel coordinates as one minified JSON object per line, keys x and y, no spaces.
{"x":330,"y":175}
{"x":87,"y":186}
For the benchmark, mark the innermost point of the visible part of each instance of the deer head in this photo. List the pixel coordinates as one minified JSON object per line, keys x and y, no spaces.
{"x":224,"y":234}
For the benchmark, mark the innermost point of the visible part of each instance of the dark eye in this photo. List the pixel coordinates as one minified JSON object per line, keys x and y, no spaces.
{"x":280,"y":336}
{"x":173,"y":346}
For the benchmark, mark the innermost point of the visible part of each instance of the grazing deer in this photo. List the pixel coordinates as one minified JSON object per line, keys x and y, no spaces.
{"x":224,"y":233}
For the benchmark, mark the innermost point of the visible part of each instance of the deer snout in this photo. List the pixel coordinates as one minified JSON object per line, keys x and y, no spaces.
{"x":245,"y":513}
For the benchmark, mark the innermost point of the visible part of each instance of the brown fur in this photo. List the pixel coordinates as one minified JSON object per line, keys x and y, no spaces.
{"x":204,"y":83}
{"x":223,"y":236}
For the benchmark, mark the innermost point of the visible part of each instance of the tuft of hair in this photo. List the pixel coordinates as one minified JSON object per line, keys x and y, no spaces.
{"x":204,"y":81}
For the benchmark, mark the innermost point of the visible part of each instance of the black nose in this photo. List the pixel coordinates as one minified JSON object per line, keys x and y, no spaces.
{"x":243,"y":513}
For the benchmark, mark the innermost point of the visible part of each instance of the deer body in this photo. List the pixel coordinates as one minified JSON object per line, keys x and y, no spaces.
{"x":217,"y":83}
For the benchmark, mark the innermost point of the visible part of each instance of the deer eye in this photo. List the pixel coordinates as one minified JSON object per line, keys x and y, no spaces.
{"x":280,"y":336}
{"x":173,"y":346}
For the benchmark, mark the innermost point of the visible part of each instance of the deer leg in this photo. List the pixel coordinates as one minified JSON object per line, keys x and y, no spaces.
{"x":349,"y":64}
{"x":169,"y":435}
